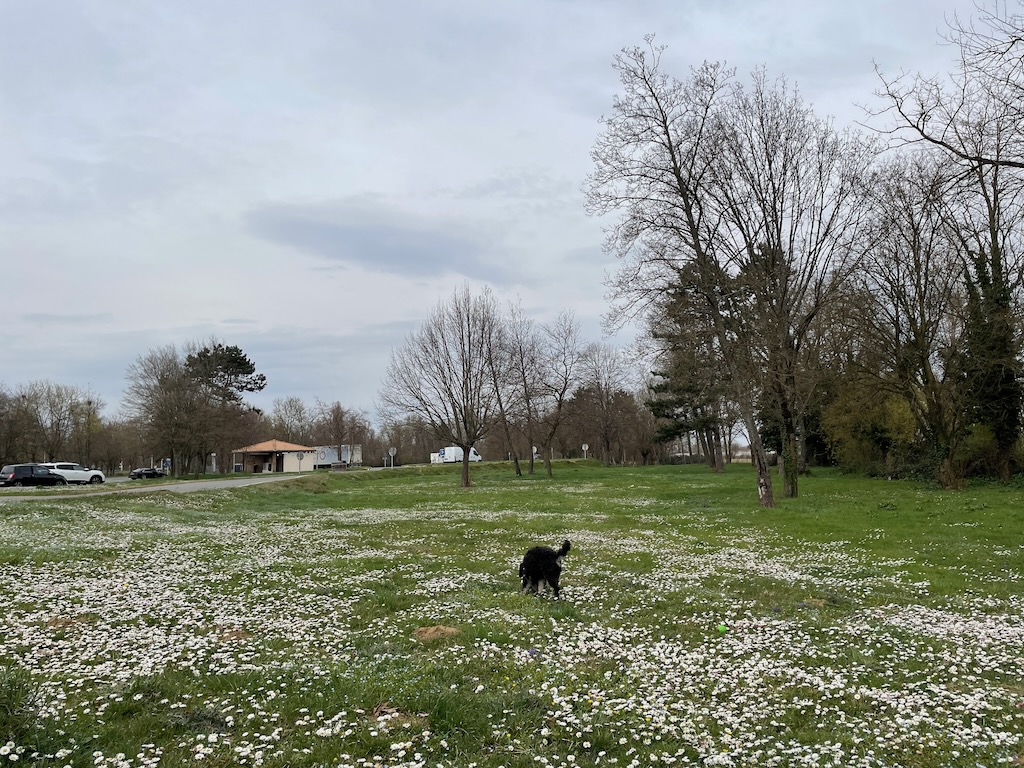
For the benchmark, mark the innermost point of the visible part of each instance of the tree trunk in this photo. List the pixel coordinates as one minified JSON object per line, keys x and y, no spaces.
{"x":719,"y":459}
{"x":790,"y":466}
{"x":765,"y":495}
{"x":950,"y":476}
{"x":801,"y":445}
{"x":790,"y":454}
{"x":465,"y":467}
{"x":702,"y":446}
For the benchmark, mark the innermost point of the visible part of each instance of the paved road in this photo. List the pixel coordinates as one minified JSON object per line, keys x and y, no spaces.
{"x":146,"y":486}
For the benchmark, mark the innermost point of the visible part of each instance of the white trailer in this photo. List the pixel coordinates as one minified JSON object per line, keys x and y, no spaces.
{"x":452,"y":454}
{"x":327,"y":456}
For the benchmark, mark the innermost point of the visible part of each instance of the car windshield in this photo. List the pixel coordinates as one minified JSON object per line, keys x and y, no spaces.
{"x":7,"y":469}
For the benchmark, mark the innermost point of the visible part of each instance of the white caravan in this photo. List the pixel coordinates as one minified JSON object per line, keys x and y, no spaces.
{"x":453,"y":454}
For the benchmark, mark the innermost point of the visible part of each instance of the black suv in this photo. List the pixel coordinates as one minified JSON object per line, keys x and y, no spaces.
{"x":29,"y":474}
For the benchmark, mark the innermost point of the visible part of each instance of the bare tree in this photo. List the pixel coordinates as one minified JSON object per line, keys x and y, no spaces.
{"x":441,"y":374}
{"x":910,"y":302}
{"x":788,"y":187}
{"x":87,"y":424}
{"x":334,"y":424}
{"x":22,"y":425}
{"x":974,"y":120}
{"x":291,"y":420}
{"x":607,"y":376}
{"x":654,"y":165}
{"x":53,"y":411}
{"x":524,"y":351}
{"x":986,"y":88}
{"x":558,"y":374}
{"x":161,"y":395}
{"x":740,"y":196}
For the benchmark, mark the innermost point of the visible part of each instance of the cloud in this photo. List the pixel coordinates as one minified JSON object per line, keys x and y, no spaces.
{"x":378,"y":239}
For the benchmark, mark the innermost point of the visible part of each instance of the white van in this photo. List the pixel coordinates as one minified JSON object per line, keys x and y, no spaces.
{"x":453,"y":454}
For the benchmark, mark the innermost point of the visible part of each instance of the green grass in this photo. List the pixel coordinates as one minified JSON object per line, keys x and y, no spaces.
{"x":864,"y":623}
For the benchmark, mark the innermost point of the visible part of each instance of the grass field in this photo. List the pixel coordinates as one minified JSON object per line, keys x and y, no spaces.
{"x":867,"y":623}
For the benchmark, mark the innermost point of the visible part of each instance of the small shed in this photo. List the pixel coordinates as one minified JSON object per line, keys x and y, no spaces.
{"x":273,"y":456}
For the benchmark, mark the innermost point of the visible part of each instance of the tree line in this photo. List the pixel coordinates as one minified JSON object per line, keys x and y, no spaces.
{"x":479,"y":374}
{"x":843,"y":295}
{"x":189,"y":405}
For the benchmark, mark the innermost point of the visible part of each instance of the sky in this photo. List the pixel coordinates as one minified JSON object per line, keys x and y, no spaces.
{"x":307,"y":180}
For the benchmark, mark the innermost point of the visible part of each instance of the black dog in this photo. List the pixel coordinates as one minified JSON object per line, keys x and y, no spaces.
{"x":542,"y":564}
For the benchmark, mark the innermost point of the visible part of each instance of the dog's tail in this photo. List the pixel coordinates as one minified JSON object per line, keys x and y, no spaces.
{"x":566,"y":546}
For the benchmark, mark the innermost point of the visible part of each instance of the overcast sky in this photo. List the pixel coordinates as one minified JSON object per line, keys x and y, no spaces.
{"x":308,"y":179}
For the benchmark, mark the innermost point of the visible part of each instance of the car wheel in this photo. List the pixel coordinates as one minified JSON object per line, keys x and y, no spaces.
{"x":95,"y":479}
{"x":62,"y":481}
{"x":17,"y":483}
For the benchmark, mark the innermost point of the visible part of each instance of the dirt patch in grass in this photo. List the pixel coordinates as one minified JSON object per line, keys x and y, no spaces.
{"x":431,"y":635}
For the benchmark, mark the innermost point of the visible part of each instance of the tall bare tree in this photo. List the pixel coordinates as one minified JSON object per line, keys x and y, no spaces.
{"x":502,"y":352}
{"x":607,"y":376}
{"x":291,"y":420}
{"x":558,"y":375}
{"x":334,"y":424}
{"x":441,"y":374}
{"x":161,"y":395}
{"x":739,"y":195}
{"x":788,"y":188}
{"x":524,"y":351}
{"x":910,"y":302}
{"x":985,"y":87}
{"x":654,"y":166}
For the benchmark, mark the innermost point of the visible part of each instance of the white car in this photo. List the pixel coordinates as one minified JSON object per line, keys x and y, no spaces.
{"x":75,"y":473}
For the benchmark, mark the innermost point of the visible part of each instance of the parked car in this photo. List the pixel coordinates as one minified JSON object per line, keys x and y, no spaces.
{"x":141,"y":473}
{"x":75,"y":473}
{"x":29,"y":474}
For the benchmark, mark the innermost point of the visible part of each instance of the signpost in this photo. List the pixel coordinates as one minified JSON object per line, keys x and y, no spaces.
{"x":585,"y":448}
{"x":391,"y":452}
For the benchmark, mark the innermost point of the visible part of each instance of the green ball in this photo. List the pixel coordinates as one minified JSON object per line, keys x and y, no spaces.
{"x":723,"y":628}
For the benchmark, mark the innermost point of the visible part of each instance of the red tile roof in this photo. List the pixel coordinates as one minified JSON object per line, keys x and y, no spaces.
{"x":270,"y":446}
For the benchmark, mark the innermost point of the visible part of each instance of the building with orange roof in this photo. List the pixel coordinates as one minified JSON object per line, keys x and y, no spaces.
{"x":273,"y":456}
